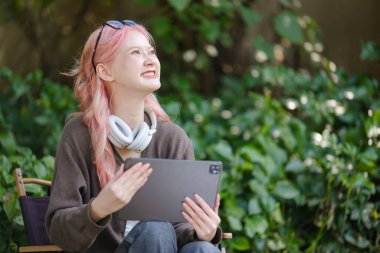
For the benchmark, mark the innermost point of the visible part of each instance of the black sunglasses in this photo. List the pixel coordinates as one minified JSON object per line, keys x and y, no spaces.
{"x":117,"y":25}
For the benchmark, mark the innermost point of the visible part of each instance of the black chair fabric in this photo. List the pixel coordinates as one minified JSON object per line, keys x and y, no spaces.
{"x":33,"y":213}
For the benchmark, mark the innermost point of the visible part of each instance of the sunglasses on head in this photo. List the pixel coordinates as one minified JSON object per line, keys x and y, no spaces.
{"x":117,"y":25}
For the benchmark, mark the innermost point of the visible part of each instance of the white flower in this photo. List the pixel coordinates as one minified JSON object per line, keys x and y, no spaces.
{"x":216,"y":102}
{"x":276,"y":133}
{"x":308,"y":46}
{"x":332,"y":66}
{"x":373,"y":132}
{"x":255,"y":73}
{"x":226,"y":114}
{"x":335,"y":78}
{"x":214,"y":3}
{"x":189,"y":55}
{"x":349,"y":95}
{"x":331,"y":103}
{"x":211,"y":50}
{"x":340,"y":110}
{"x":318,"y":47}
{"x":261,"y":56}
{"x":235,"y":130}
{"x":198,"y":118}
{"x":304,"y":100}
{"x":291,"y":104}
{"x":315,"y":57}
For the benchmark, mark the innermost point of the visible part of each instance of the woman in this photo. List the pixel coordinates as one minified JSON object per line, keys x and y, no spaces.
{"x":114,"y":82}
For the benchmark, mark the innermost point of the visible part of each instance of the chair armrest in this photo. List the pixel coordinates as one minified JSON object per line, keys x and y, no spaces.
{"x":42,"y":248}
{"x":227,"y":235}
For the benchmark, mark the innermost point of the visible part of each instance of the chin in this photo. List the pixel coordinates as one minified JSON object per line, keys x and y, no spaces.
{"x":155,"y":86}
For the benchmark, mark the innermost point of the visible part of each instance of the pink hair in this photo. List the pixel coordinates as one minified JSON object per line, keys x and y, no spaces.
{"x":94,"y":95}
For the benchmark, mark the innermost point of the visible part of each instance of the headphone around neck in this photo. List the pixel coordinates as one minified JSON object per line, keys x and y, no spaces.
{"x":137,"y":139}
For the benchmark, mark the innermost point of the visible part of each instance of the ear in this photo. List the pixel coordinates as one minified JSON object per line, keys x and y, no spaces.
{"x":104,"y":72}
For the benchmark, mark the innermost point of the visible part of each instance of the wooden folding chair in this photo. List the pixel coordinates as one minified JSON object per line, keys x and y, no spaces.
{"x":33,"y":211}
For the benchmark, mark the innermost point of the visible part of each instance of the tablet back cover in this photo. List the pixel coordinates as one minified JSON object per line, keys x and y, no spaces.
{"x":170,"y":182}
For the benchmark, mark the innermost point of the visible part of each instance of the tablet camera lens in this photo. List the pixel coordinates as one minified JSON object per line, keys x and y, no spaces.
{"x":214,"y":169}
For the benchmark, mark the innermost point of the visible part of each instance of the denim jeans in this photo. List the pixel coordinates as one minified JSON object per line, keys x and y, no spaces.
{"x":160,"y":237}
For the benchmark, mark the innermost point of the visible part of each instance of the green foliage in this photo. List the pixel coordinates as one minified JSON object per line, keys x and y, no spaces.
{"x":38,"y":102}
{"x":32,"y":113}
{"x":14,"y":156}
{"x":370,"y":51}
{"x":301,"y":165}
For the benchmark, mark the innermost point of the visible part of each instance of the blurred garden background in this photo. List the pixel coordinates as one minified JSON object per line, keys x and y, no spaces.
{"x":284,"y":92}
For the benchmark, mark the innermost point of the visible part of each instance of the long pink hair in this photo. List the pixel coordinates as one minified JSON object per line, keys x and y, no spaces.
{"x":95,"y":96}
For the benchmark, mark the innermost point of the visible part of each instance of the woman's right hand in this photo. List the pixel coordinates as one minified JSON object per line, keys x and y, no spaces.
{"x":120,"y":190}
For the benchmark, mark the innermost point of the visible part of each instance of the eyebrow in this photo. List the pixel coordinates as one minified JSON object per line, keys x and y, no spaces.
{"x":139,"y":47}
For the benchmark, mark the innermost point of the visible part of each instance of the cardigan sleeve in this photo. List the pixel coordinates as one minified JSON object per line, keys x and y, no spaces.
{"x":68,"y":221}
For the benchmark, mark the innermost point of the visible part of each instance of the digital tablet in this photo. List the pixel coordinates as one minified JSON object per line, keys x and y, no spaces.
{"x":170,"y":182}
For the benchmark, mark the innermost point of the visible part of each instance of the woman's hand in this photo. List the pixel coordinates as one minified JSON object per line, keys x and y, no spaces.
{"x":120,"y":190}
{"x":202,"y":217}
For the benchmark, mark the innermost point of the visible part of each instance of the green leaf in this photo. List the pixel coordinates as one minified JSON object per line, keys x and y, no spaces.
{"x":179,"y":5}
{"x":250,"y":17}
{"x":255,"y":224}
{"x":286,"y":24}
{"x":161,"y":25}
{"x":235,"y":223}
{"x":210,"y":29}
{"x":295,"y":166}
{"x":264,"y":46}
{"x":252,"y":154}
{"x":258,"y":188}
{"x":10,"y":204}
{"x":254,"y":206}
{"x":370,"y":51}
{"x":285,"y":190}
{"x":240,"y":243}
{"x":276,"y":244}
{"x":356,"y":240}
{"x":277,"y":215}
{"x":8,"y":142}
{"x":223,"y":149}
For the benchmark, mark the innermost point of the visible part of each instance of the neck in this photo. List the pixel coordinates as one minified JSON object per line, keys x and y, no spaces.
{"x":129,"y":109}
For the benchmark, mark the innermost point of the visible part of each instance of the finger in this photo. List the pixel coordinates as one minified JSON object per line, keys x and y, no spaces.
{"x":206,"y":208}
{"x":193,"y":218}
{"x":217,"y":204}
{"x":191,"y":221}
{"x":136,"y":183}
{"x":196,"y":213}
{"x":135,"y":171}
{"x":135,"y":167}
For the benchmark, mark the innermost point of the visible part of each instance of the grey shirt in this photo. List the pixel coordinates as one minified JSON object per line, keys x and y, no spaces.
{"x":75,"y":183}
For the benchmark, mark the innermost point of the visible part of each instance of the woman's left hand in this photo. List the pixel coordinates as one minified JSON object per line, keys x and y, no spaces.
{"x":202,"y":217}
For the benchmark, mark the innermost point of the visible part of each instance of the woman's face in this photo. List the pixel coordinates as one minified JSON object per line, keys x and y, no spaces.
{"x":136,"y":67}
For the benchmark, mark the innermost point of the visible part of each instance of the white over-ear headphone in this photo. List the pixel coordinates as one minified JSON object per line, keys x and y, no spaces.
{"x":137,"y":139}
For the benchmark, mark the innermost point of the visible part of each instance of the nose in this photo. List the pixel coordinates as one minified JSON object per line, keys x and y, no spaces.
{"x":149,"y":60}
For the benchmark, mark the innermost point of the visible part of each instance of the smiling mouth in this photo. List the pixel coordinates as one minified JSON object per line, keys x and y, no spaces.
{"x":149,"y":74}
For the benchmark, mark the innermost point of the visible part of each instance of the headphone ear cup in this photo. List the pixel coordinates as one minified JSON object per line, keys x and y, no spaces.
{"x":141,"y":137}
{"x":119,"y":132}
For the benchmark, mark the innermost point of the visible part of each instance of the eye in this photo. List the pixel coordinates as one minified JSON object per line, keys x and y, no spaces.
{"x":152,"y":51}
{"x":135,"y":51}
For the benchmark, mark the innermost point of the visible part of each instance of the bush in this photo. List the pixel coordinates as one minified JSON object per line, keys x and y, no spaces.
{"x":32,"y":116}
{"x":301,"y":160}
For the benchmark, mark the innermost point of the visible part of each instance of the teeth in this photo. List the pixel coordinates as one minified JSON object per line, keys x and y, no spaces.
{"x":147,"y":74}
